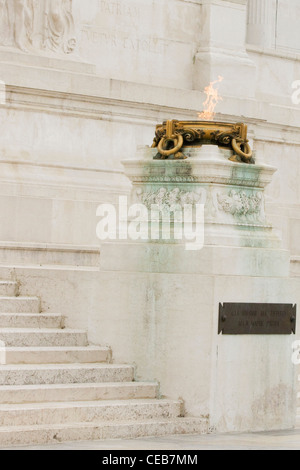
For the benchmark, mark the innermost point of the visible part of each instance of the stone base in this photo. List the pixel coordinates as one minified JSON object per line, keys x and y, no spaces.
{"x":169,"y":258}
{"x":164,"y":317}
{"x":163,"y":300}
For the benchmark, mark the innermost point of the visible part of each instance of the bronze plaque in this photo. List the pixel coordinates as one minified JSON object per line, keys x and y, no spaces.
{"x":257,"y":319}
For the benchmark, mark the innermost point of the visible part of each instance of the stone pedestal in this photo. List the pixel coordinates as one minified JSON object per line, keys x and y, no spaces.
{"x":161,"y":302}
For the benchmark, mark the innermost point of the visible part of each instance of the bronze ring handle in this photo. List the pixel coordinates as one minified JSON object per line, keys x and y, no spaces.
{"x":247,"y":155}
{"x":177,"y":147}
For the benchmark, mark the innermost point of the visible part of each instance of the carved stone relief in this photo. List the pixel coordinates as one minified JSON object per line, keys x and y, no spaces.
{"x":37,"y":24}
{"x":242,"y":206}
{"x":16,"y":20}
{"x":167,"y":199}
{"x":60,"y":29}
{"x":233,"y":206}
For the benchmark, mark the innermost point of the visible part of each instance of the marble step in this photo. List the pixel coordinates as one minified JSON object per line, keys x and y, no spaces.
{"x":77,"y":392}
{"x":58,"y":355}
{"x":35,"y":337}
{"x":20,"y":305}
{"x":9,"y":288}
{"x":53,"y":434}
{"x":91,"y":412}
{"x":31,"y":320}
{"x":35,"y":374}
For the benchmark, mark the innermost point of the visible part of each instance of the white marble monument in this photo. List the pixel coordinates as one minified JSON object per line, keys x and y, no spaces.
{"x":82,"y":85}
{"x":165,"y":313}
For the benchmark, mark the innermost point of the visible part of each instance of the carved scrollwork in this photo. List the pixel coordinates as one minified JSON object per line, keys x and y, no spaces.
{"x":189,"y":135}
{"x":223,"y":138}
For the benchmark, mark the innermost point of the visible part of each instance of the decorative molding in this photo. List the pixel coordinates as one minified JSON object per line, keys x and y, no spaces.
{"x":60,"y":182}
{"x":279,"y":54}
{"x":50,"y":256}
{"x":79,"y":102}
{"x":164,"y":179}
{"x":197,"y":179}
{"x":99,"y":108}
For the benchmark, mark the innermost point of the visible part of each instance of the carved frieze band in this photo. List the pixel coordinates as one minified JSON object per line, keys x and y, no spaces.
{"x":221,"y":206}
{"x":169,"y":199}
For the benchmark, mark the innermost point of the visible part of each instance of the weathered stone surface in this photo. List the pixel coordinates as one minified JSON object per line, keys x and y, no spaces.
{"x":172,"y":295}
{"x":8,"y":288}
{"x":87,"y":412}
{"x":52,"y":384}
{"x":33,"y":337}
{"x":57,"y":355}
{"x":31,"y":320}
{"x":77,"y":392}
{"x":20,"y":305}
{"x":13,"y":436}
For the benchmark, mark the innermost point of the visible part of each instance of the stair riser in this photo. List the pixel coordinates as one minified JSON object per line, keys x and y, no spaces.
{"x":27,"y":321}
{"x":9,"y":289}
{"x":66,"y":376}
{"x":19,"y":305}
{"x":49,"y":339}
{"x":91,"y":414}
{"x":106,"y":431}
{"x":79,"y":394}
{"x":87,"y":357}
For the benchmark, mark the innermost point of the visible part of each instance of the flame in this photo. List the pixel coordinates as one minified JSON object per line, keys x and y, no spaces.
{"x":212,"y":99}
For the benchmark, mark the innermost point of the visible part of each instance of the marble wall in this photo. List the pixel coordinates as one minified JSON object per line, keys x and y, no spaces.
{"x":141,"y":41}
{"x":86,"y":83}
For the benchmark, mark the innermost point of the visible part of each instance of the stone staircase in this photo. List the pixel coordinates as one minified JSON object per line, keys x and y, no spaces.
{"x":54,"y":387}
